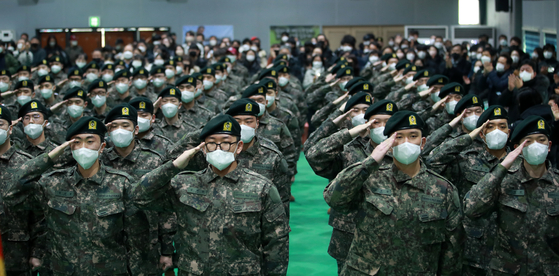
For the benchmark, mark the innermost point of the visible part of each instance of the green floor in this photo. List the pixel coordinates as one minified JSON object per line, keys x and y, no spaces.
{"x":310,"y":232}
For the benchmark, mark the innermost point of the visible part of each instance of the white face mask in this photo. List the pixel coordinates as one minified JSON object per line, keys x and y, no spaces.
{"x":410,"y":56}
{"x":23,"y":100}
{"x":33,"y":130}
{"x":99,"y":101}
{"x":74,"y":42}
{"x":80,"y":64}
{"x":317,"y":64}
{"x":91,"y":77}
{"x":218,"y":79}
{"x":373,"y":59}
{"x":496,"y":139}
{"x":86,"y":157}
{"x":22,"y":78}
{"x":400,"y":55}
{"x":262,"y":109}
{"x":158,"y":82}
{"x":169,"y":73}
{"x":435,"y":97}
{"x":251,"y":58}
{"x":470,"y":122}
{"x":136,"y":63}
{"x":143,"y":124}
{"x":121,"y":87}
{"x":485,"y":59}
{"x":233,"y":58}
{"x":213,"y":42}
{"x":392,"y":66}
{"x":422,"y":87}
{"x":74,"y":111}
{"x":525,"y":76}
{"x":179,"y":70}
{"x":450,"y":107}
{"x":107,"y":77}
{"x":534,"y":55}
{"x":503,"y":42}
{"x":198,"y":92}
{"x":500,"y":67}
{"x":358,"y":120}
{"x":169,"y":110}
{"x":515,"y":59}
{"x":142,"y":49}
{"x":121,"y":137}
{"x":409,"y":79}
{"x":342,"y":85}
{"x":438,"y":44}
{"x":479,"y":55}
{"x":46,"y":93}
{"x":271,"y":100}
{"x":3,"y":136}
{"x":283,"y":81}
{"x":406,"y":153}
{"x":432,"y":53}
{"x":535,"y":153}
{"x":476,"y":69}
{"x":547,"y":54}
{"x":158,"y":62}
{"x":220,"y":159}
{"x":187,"y":96}
{"x":42,"y":72}
{"x":127,"y":55}
{"x":3,"y":86}
{"x":208,"y":85}
{"x":247,"y":133}
{"x":421,"y":54}
{"x":377,"y":135}
{"x":75,"y":84}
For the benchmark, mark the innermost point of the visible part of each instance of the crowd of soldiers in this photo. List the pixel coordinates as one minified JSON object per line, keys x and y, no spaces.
{"x":118,"y":167}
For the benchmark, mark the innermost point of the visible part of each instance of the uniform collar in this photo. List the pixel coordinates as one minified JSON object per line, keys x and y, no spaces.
{"x":97,"y":178}
{"x":524,"y":177}
{"x":132,"y":157}
{"x":149,"y":136}
{"x":177,"y":124}
{"x":264,"y":120}
{"x":42,"y":146}
{"x":417,"y":181}
{"x":253,"y":151}
{"x":209,"y":175}
{"x":8,"y":154}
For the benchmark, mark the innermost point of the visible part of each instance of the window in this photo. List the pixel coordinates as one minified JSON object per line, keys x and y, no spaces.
{"x":531,"y":41}
{"x":468,"y":12}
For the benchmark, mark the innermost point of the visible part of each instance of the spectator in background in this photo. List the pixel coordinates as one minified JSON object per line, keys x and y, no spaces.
{"x":497,"y":77}
{"x":53,"y":49}
{"x":456,"y":67}
{"x":7,"y":61}
{"x":251,"y":61}
{"x":433,"y":60}
{"x":549,"y":62}
{"x":313,"y":71}
{"x":74,"y":49}
{"x":38,"y":52}
{"x":24,"y":36}
{"x":23,"y":53}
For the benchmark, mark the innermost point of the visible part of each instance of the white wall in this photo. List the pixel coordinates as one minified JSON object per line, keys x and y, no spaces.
{"x":540,"y":14}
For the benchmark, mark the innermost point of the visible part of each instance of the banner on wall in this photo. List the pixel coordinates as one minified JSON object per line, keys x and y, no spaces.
{"x":302,"y":33}
{"x":220,"y":31}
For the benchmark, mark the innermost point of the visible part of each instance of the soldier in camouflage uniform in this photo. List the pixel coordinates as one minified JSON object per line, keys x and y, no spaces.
{"x":524,"y":192}
{"x":286,"y":86}
{"x":75,"y":101}
{"x":212,"y":98}
{"x":190,"y":110}
{"x":388,"y":70}
{"x":21,"y":229}
{"x":146,"y":121}
{"x":408,"y":218}
{"x":410,"y":98}
{"x":122,"y":87}
{"x":145,"y":252}
{"x":46,"y":93}
{"x":75,"y":79}
{"x":170,"y":71}
{"x":400,"y":89}
{"x":466,"y":164}
{"x":173,"y":125}
{"x":84,"y":205}
{"x":237,"y":69}
{"x":230,"y":84}
{"x":392,"y":82}
{"x":42,"y":69}
{"x":56,"y":69}
{"x":140,"y":86}
{"x":24,"y":91}
{"x":260,"y":154}
{"x":34,"y":117}
{"x":107,"y":72}
{"x":6,"y":86}
{"x":91,"y":72}
{"x":316,"y":98}
{"x":158,"y":79}
{"x":97,"y":93}
{"x":450,"y":94}
{"x":330,"y":149}
{"x":231,"y":220}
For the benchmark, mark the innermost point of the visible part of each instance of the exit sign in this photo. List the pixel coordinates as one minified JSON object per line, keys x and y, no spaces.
{"x":94,"y":21}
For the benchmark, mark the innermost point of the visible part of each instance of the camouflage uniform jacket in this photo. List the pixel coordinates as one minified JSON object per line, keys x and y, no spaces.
{"x":315,"y":98}
{"x":299,"y":100}
{"x":114,"y":99}
{"x":240,"y":71}
{"x":157,"y":143}
{"x":175,"y":131}
{"x":292,"y":123}
{"x":404,"y":225}
{"x":329,"y":111}
{"x":210,"y":103}
{"x":396,"y":94}
{"x":149,"y":93}
{"x":234,"y":224}
{"x":383,"y":89}
{"x":527,"y":240}
{"x":84,"y":217}
{"x":141,"y":226}
{"x":276,"y":131}
{"x":197,"y":115}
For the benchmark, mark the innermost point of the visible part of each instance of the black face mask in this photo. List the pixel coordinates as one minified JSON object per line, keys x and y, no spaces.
{"x":97,"y":60}
{"x":34,"y":46}
{"x":276,"y":51}
{"x":455,"y":56}
{"x":192,"y":53}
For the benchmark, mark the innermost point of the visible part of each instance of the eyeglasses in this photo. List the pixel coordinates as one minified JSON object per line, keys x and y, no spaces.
{"x":35,"y":117}
{"x":97,"y":93}
{"x":225,"y":146}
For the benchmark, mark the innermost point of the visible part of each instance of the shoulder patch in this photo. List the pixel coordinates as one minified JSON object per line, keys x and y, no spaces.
{"x":61,"y":171}
{"x":268,"y":144}
{"x":119,"y":172}
{"x":24,"y":154}
{"x":143,"y":147}
{"x":256,"y":174}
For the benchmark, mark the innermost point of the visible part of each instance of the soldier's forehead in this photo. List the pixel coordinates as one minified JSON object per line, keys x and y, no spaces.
{"x":86,"y":136}
{"x":220,"y":137}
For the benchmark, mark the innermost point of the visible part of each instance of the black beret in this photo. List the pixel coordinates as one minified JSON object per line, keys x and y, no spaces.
{"x":91,"y":65}
{"x":5,"y":73}
{"x":244,"y":106}
{"x":218,"y":66}
{"x":24,"y":68}
{"x":531,"y":125}
{"x":208,"y":71}
{"x":255,"y":89}
{"x":221,"y":124}
{"x":467,"y":102}
{"x":75,"y":72}
{"x":385,"y":107}
{"x":46,"y":78}
{"x":87,"y":125}
{"x":282,"y":69}
{"x":120,"y":62}
{"x":43,"y":62}
{"x":411,"y":68}
{"x":122,"y":111}
{"x":348,"y":71}
{"x":402,"y":64}
{"x":140,"y":71}
{"x":5,"y":114}
{"x":282,"y":57}
{"x":108,"y":67}
{"x":341,"y":59}
{"x":197,"y":76}
{"x":170,"y":91}
{"x":362,"y":86}
{"x":170,"y":63}
{"x":404,"y":119}
{"x":186,"y":80}
{"x":75,"y":92}
{"x":24,"y":84}
{"x":451,"y":88}
{"x":157,"y":70}
{"x":340,"y":65}
{"x":55,"y":59}
{"x":124,"y":73}
{"x":33,"y":106}
{"x":437,"y":80}
{"x":224,"y":59}
{"x":142,"y":104}
{"x":98,"y":83}
{"x":359,"y":98}
{"x":386,"y":57}
{"x":279,"y":62}
{"x":177,"y":59}
{"x":269,"y":83}
{"x":425,"y":73}
{"x":353,"y":81}
{"x":270,"y":72}
{"x":493,"y":112}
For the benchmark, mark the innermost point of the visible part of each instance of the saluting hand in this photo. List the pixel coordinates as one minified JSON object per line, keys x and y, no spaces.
{"x":507,"y":162}
{"x":56,"y":106}
{"x":330,"y":77}
{"x":456,"y":120}
{"x":53,"y":154}
{"x":183,"y":159}
{"x":360,"y":129}
{"x":16,"y":121}
{"x":341,"y":98}
{"x":410,"y":85}
{"x":440,"y":103}
{"x":61,"y":83}
{"x":381,"y":150}
{"x":474,"y":133}
{"x":8,"y":94}
{"x":338,"y":121}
